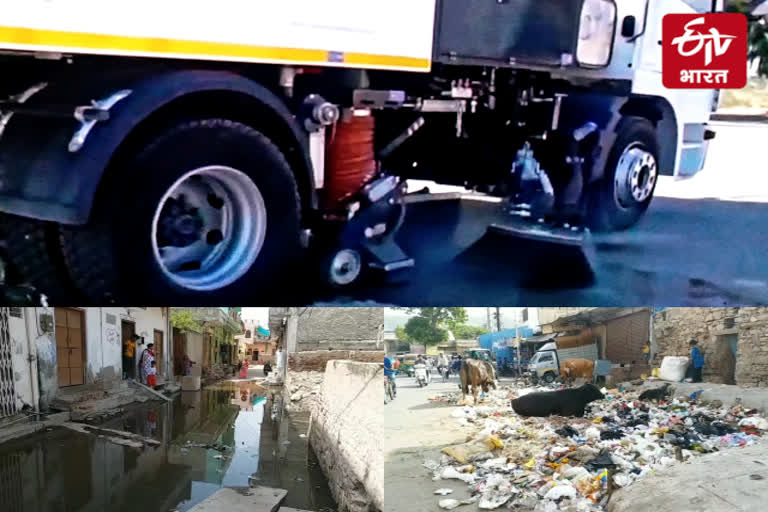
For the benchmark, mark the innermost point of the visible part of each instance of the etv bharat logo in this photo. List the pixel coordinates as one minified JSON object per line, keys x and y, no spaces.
{"x":710,"y":53}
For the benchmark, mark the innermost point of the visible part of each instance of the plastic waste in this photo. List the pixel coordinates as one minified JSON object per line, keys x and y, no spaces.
{"x":561,"y":491}
{"x":451,"y":473}
{"x":465,"y":452}
{"x":673,"y":368}
{"x":622,"y":479}
{"x":444,"y":491}
{"x":448,"y":503}
{"x":754,"y":421}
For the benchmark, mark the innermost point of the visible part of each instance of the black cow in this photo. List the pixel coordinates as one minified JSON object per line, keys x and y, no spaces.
{"x":566,"y":402}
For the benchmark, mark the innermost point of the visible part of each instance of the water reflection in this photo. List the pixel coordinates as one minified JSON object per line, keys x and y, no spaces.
{"x":221,"y":436}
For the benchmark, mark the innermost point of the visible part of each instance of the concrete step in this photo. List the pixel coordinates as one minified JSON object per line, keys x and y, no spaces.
{"x":242,"y":499}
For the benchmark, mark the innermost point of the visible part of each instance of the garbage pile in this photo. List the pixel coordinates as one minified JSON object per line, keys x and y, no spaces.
{"x":304,"y":388}
{"x":574,"y":464}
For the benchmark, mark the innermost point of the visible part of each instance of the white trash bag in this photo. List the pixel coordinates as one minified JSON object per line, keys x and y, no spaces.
{"x":673,"y":368}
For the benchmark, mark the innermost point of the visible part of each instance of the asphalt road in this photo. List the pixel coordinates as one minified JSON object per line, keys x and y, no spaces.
{"x":703,"y":242}
{"x":415,"y":430}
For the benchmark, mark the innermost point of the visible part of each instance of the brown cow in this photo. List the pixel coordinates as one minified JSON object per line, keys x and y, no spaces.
{"x":573,"y":368}
{"x":476,"y":374}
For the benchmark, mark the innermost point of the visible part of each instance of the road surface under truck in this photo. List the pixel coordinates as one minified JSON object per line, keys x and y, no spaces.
{"x":178,"y":148}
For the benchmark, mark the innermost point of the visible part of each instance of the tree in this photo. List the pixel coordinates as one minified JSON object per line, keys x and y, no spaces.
{"x":430,"y":325}
{"x":185,"y":321}
{"x":467,"y":332}
{"x":757,"y":36}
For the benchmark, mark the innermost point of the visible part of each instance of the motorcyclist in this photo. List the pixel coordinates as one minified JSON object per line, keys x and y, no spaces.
{"x":422,"y":360}
{"x":390,"y":370}
{"x":456,"y":365}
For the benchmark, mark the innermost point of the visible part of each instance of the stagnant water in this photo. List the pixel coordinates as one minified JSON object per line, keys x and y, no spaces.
{"x":227,"y":435}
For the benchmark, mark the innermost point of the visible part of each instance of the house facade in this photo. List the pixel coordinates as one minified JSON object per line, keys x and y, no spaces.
{"x":45,"y":351}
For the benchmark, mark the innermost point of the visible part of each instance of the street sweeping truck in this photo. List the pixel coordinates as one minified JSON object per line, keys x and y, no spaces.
{"x":177,"y":148}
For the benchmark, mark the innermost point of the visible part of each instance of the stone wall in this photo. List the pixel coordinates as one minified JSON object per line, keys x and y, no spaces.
{"x":350,"y":328}
{"x":674,"y":327}
{"x":317,"y":360}
{"x":346,"y":434}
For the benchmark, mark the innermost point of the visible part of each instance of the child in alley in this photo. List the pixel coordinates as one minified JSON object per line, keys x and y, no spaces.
{"x":152,"y":374}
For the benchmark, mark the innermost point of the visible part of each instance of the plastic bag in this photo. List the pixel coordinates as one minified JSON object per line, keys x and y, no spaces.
{"x":451,"y":473}
{"x":465,"y":452}
{"x":673,"y":368}
{"x":448,"y":504}
{"x":560,"y":491}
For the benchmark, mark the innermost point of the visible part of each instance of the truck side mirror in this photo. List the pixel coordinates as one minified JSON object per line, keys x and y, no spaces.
{"x":628,"y":26}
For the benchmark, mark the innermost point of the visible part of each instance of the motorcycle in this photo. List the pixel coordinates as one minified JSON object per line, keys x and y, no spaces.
{"x":421,"y":374}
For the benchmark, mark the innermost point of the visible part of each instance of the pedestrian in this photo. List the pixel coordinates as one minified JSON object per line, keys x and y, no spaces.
{"x":145,"y":362}
{"x":647,"y":352}
{"x":697,"y":361}
{"x":152,"y":374}
{"x":267,"y":368}
{"x":187,"y":362}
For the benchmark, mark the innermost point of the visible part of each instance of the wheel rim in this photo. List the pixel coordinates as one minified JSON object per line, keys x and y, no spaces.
{"x":345,"y":267}
{"x":636,"y":174}
{"x":209,"y":228}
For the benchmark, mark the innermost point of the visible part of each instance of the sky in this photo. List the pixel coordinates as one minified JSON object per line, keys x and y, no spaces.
{"x":476,"y":316}
{"x":259,"y":314}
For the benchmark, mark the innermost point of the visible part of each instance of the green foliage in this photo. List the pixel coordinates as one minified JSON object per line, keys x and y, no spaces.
{"x":430,"y":325}
{"x":185,"y":321}
{"x":467,"y":332}
{"x":419,"y":329}
{"x":757,"y":37}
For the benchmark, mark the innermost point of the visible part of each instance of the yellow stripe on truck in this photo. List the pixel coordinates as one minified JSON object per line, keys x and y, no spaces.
{"x":80,"y":42}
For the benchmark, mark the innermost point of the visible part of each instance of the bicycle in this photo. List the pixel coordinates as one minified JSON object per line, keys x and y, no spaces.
{"x":388,"y":394}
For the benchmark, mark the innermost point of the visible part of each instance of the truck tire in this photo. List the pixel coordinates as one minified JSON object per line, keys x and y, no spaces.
{"x":207,"y":212}
{"x":621,"y":198}
{"x":549,"y":377}
{"x":34,"y":251}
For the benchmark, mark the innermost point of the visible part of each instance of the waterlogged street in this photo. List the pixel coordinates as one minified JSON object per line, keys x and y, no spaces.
{"x":226,"y":435}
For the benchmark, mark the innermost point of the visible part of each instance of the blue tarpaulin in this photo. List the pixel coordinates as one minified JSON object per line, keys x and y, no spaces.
{"x":497,"y":341}
{"x":262,"y":331}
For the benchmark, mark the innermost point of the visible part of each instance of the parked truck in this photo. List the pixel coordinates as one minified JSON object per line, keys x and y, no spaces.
{"x":546,"y":362}
{"x":167,"y":150}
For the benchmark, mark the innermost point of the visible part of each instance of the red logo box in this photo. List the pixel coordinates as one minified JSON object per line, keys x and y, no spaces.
{"x":704,"y":51}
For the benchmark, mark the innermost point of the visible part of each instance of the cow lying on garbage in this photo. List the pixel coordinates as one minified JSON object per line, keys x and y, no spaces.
{"x":574,"y":368}
{"x":566,"y":402}
{"x":478,"y":374}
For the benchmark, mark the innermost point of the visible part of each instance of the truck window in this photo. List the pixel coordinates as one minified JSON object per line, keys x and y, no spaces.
{"x":546,"y":358}
{"x":700,"y":5}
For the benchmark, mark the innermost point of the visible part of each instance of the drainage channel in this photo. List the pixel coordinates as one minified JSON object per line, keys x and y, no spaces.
{"x":227,"y":435}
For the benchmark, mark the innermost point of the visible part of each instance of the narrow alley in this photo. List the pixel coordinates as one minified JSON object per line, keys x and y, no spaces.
{"x":225,"y":435}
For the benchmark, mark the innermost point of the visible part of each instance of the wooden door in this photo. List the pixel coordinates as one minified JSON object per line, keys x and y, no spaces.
{"x":70,"y":346}
{"x":159,"y":352}
{"x":178,"y":352}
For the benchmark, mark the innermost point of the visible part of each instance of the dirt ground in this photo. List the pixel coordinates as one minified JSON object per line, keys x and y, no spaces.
{"x":415,"y":430}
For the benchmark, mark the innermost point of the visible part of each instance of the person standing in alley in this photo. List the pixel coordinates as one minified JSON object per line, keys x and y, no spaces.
{"x":697,"y":361}
{"x":152,"y":374}
{"x":145,"y":362}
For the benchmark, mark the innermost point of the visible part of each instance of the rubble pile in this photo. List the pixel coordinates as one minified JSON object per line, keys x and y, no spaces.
{"x":217,"y":372}
{"x":574,"y":464}
{"x":304,"y":389}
